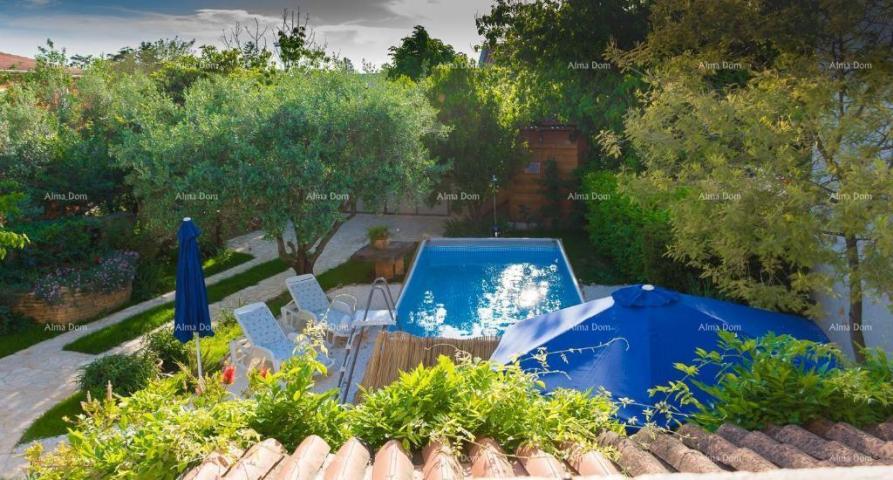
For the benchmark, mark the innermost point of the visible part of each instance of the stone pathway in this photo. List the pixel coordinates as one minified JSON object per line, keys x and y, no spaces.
{"x":37,"y":378}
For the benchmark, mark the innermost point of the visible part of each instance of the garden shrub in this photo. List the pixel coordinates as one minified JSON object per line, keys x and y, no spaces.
{"x":127,"y":373}
{"x":164,"y":347}
{"x":12,"y":322}
{"x":156,"y":433}
{"x":289,"y":410}
{"x":149,"y":280}
{"x":107,"y":274}
{"x":778,"y":379}
{"x":616,"y":226}
{"x":163,"y":430}
{"x":456,"y":402}
{"x":635,"y":237}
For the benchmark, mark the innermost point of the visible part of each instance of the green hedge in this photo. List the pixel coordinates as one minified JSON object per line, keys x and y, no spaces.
{"x":635,"y":237}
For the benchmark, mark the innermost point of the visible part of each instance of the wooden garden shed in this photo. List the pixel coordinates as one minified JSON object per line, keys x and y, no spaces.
{"x":523,"y":197}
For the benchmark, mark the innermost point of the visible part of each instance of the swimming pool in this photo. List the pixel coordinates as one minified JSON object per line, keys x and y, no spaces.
{"x":469,"y":287}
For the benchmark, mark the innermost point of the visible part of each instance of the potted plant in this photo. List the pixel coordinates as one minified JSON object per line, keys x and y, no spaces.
{"x":379,"y":237}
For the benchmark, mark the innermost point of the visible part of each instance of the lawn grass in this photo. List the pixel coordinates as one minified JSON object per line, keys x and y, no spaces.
{"x":52,"y":423}
{"x":34,"y":333}
{"x":223,"y":261}
{"x":142,"y":323}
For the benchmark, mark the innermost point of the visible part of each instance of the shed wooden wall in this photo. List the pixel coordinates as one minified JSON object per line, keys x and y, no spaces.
{"x":562,"y":144}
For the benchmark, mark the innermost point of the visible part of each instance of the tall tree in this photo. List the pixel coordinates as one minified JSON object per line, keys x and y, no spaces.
{"x":553,"y":55}
{"x":418,"y":54}
{"x":290,"y":152}
{"x":483,"y":140}
{"x":295,"y":41}
{"x":802,"y":146}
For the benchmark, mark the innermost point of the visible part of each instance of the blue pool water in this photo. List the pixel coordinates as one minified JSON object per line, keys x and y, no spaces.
{"x":475,"y":287}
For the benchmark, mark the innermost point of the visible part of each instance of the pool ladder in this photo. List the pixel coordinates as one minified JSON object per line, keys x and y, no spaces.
{"x":350,"y":356}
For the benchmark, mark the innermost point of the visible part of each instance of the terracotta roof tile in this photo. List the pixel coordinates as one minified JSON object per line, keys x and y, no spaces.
{"x":672,"y":451}
{"x":589,"y":462}
{"x":392,"y":463}
{"x":783,"y":455}
{"x":305,"y":462}
{"x":684,"y":454}
{"x":853,"y":438}
{"x":538,"y":463}
{"x":884,"y":430}
{"x":349,"y":463}
{"x":440,"y":463}
{"x":722,"y":451}
{"x":816,"y":446}
{"x":257,"y":461}
{"x":488,"y":460}
{"x":633,"y":459}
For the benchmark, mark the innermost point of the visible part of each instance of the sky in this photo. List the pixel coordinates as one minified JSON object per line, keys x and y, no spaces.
{"x":357,"y":29}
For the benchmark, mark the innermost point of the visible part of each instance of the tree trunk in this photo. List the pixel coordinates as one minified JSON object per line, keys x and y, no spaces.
{"x":280,"y":248}
{"x":855,"y":280}
{"x":299,"y":256}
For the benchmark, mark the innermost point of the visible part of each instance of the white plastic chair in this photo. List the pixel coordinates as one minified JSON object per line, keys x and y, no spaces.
{"x":311,"y":302}
{"x":265,"y":335}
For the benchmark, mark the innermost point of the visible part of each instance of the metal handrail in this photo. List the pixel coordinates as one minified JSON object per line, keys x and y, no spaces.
{"x":379,"y":284}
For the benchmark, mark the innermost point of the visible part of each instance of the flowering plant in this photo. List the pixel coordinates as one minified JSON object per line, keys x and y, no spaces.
{"x":107,"y":274}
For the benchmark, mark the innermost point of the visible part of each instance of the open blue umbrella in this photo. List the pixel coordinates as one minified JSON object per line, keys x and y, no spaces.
{"x":191,"y":317}
{"x":629,"y":342}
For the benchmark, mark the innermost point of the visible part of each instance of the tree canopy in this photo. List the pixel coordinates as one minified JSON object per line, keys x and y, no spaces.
{"x":779,"y":152}
{"x":291,"y":152}
{"x":418,"y":54}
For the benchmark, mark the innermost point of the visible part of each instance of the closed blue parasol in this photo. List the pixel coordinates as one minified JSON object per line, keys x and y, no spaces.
{"x":191,"y":317}
{"x":629,"y":342}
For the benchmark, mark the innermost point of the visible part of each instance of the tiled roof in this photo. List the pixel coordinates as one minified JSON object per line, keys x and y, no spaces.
{"x":9,"y":61}
{"x":837,"y":451}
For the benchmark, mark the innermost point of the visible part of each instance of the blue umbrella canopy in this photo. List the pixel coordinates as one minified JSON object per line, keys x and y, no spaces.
{"x":630,"y":341}
{"x":191,"y":315}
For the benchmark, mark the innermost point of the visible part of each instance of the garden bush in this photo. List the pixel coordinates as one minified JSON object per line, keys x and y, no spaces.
{"x":617,"y":226}
{"x":156,"y":433}
{"x":11,"y":322}
{"x":127,"y":374}
{"x":289,"y":410}
{"x":778,"y":379}
{"x":164,"y":347}
{"x":456,"y":402}
{"x":164,"y":429}
{"x":635,"y":237}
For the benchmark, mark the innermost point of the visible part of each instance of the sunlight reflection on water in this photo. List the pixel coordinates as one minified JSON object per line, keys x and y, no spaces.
{"x":484,"y":297}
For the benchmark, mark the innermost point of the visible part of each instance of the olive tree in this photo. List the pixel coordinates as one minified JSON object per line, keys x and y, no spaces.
{"x":289,"y":153}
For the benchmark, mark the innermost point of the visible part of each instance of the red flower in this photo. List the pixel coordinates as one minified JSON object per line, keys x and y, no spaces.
{"x":264,"y":372}
{"x":229,"y":375}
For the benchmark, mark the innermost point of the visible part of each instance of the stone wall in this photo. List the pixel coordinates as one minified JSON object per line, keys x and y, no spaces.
{"x":75,"y":306}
